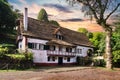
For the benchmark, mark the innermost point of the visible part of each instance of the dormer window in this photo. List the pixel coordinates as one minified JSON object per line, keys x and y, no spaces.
{"x":59,"y":35}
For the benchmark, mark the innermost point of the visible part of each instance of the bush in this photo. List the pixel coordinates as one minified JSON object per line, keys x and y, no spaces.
{"x":28,"y":56}
{"x":3,"y":51}
{"x":116,"y":58}
{"x":99,"y":62}
{"x":17,"y":61}
{"x":10,"y":47}
{"x":83,"y":61}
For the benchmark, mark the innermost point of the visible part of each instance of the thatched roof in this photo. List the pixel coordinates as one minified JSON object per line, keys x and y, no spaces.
{"x":44,"y":30}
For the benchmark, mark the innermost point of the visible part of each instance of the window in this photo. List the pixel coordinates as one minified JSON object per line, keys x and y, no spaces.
{"x":52,"y":47}
{"x":48,"y":58}
{"x":35,"y":46}
{"x":46,"y":47}
{"x":59,"y":36}
{"x":41,"y":46}
{"x":32,"y":45}
{"x":20,"y":45}
{"x":68,"y":49}
{"x":68,"y":59}
{"x":60,"y":48}
{"x":53,"y":58}
{"x":79,"y":51}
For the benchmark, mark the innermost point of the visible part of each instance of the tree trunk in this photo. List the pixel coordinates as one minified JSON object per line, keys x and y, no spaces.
{"x":108,"y":50}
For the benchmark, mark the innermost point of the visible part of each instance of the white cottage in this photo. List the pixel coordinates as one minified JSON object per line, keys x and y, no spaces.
{"x":50,"y":44}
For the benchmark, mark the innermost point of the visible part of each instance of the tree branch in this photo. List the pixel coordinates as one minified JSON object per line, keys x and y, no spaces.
{"x":93,"y":10}
{"x":112,"y":11}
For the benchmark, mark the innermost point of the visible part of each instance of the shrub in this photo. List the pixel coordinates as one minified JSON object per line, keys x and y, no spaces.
{"x":116,"y":58}
{"x":10,"y":47}
{"x":84,"y":61}
{"x":28,"y":56}
{"x":17,"y":61}
{"x":99,"y":62}
{"x":3,"y":51}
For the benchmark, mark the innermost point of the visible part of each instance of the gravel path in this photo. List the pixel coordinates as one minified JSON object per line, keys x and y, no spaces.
{"x":72,"y":73}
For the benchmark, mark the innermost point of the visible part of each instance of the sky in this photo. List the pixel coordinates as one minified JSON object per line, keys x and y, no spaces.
{"x":66,"y":15}
{"x":56,"y":9}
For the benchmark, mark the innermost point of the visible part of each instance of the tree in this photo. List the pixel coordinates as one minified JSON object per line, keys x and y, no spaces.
{"x":42,"y":15}
{"x":7,"y":17}
{"x":83,"y":30}
{"x":54,"y":23}
{"x":98,"y":42}
{"x":101,"y":10}
{"x":116,"y":44}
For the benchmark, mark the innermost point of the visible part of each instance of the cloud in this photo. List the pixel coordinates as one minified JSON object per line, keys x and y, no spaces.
{"x":58,"y":7}
{"x":57,"y":11}
{"x":23,"y":1}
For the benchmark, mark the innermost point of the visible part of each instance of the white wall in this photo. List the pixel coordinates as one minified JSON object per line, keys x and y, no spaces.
{"x":84,"y":50}
{"x":37,"y":41}
{"x":22,"y":44}
{"x":40,"y":56}
{"x":72,"y":60}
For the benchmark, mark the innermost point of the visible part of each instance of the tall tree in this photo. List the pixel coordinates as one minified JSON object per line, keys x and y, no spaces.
{"x":42,"y":15}
{"x":7,"y":17}
{"x":101,"y":10}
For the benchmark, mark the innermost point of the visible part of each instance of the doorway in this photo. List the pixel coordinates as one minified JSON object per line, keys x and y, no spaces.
{"x":60,"y":60}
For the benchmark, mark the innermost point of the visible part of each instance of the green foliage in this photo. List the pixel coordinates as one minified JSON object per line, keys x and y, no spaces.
{"x":7,"y":17}
{"x":99,"y":62}
{"x":28,"y":56}
{"x":83,"y":61}
{"x":54,"y":23}
{"x":83,"y":30}
{"x":116,"y":56}
{"x":116,"y":40}
{"x":18,"y":56}
{"x":42,"y":15}
{"x":11,"y":48}
{"x":3,"y":51}
{"x":86,"y":32}
{"x":16,"y":61}
{"x":98,"y":41}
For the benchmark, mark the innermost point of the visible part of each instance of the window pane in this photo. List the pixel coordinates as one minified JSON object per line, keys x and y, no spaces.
{"x":30,"y":45}
{"x":39,"y":46}
{"x":53,"y":58}
{"x":46,"y":47}
{"x":35,"y":45}
{"x":68,"y":59}
{"x":48,"y":58}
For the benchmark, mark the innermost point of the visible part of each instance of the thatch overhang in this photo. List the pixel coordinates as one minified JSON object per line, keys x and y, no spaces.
{"x":60,"y":42}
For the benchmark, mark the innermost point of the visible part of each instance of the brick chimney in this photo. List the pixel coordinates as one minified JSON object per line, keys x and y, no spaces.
{"x":25,"y":19}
